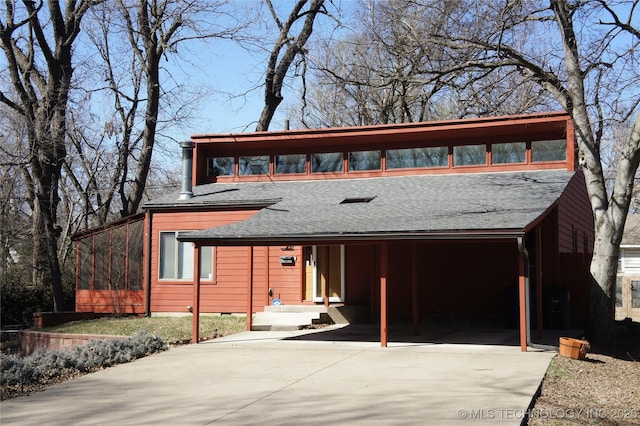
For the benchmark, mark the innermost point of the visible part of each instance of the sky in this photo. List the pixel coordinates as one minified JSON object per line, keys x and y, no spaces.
{"x":229,"y":69}
{"x":225,"y":67}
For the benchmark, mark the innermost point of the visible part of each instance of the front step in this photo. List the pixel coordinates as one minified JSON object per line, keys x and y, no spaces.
{"x":289,"y":317}
{"x":297,"y":317}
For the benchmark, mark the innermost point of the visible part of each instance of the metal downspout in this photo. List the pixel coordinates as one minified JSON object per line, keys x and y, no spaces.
{"x":525,"y":253}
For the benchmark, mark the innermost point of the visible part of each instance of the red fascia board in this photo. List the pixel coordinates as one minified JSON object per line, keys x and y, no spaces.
{"x":445,"y":130}
{"x":129,"y":219}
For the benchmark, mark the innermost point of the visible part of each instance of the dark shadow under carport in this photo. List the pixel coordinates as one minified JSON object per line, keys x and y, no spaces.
{"x":458,"y":332}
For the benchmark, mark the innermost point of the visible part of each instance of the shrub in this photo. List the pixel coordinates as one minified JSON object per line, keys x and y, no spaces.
{"x":18,"y":302}
{"x":45,"y":365}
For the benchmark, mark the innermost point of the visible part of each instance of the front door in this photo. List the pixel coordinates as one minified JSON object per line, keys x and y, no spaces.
{"x":325,"y":273}
{"x":628,"y":297}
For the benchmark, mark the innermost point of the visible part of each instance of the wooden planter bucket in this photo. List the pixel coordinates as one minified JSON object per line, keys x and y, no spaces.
{"x":573,"y":348}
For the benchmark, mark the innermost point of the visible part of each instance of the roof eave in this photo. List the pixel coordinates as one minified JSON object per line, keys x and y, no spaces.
{"x":309,"y":239}
{"x":246,"y":205}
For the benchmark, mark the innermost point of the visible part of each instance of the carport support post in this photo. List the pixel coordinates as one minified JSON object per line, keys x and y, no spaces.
{"x":250,"y":290}
{"x":539,"y":280}
{"x":522,"y":301}
{"x":195,"y":309}
{"x":415,"y":294}
{"x":384,"y":267}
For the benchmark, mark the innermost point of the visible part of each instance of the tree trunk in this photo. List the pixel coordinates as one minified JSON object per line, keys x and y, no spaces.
{"x":604,"y":265}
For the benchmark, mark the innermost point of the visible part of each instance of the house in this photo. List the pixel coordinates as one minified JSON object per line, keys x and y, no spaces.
{"x":628,"y":280}
{"x":484,"y":219}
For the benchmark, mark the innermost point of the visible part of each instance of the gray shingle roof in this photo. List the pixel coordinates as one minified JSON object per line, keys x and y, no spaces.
{"x":399,"y":207}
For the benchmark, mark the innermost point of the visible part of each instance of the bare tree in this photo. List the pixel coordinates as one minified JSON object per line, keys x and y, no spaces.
{"x":583,"y":54}
{"x":285,"y":50}
{"x":133,"y":39}
{"x":38,"y":45}
{"x":381,"y":71}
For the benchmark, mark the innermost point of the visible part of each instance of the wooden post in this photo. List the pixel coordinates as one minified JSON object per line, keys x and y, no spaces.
{"x":195,"y":309}
{"x":250,"y":290}
{"x":415,"y":293}
{"x":266,"y":275}
{"x":522,"y":302}
{"x":384,"y":267}
{"x":327,"y":250}
{"x":539,"y":280}
{"x":375,"y":271}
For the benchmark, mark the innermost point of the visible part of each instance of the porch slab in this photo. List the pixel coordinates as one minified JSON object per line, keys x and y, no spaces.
{"x":294,"y":377}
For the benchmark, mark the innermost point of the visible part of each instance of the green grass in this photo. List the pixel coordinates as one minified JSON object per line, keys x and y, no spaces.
{"x":556,"y":370}
{"x":170,"y":329}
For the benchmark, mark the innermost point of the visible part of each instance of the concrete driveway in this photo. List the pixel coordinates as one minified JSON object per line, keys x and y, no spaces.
{"x":299,"y":378}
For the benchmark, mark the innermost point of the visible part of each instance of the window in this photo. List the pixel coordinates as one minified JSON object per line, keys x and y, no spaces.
{"x":221,"y":166}
{"x":555,"y":150}
{"x":291,"y":163}
{"x":417,"y":157}
{"x":254,"y":165}
{"x":503,"y":153}
{"x":326,"y":162}
{"x":364,"y":160}
{"x":619,"y":291}
{"x":469,"y":155}
{"x":635,"y":294}
{"x":176,"y":259}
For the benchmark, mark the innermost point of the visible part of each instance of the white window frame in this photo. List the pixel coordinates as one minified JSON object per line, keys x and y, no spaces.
{"x":187,"y":260}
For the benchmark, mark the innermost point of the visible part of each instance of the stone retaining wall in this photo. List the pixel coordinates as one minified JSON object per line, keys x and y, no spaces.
{"x":32,"y":341}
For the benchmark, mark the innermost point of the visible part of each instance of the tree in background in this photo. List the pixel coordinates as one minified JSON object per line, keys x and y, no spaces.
{"x":285,"y":50}
{"x":38,"y":43}
{"x":379,"y":71}
{"x":133,"y":38}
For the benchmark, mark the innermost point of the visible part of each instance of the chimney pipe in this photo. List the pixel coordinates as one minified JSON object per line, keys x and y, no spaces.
{"x":187,"y":168}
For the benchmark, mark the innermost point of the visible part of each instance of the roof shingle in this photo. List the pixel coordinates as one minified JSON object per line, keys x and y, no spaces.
{"x":403,"y":205}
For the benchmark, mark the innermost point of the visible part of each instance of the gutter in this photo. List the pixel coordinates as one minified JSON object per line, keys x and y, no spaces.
{"x":523,"y":250}
{"x":299,"y":239}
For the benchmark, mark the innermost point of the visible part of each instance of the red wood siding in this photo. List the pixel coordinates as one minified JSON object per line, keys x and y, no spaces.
{"x":462,"y":280}
{"x":286,"y":281}
{"x":110,"y":301}
{"x":360,"y":274}
{"x":575,"y":219}
{"x":230,"y":266}
{"x":472,"y":280}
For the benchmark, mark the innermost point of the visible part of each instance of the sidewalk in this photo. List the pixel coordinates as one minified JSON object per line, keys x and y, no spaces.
{"x":289,"y":378}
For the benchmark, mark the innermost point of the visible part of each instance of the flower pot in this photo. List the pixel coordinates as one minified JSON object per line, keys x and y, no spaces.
{"x":573,"y":348}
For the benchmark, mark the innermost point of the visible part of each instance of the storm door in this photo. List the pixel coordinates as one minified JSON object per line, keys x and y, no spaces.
{"x":325,"y":270}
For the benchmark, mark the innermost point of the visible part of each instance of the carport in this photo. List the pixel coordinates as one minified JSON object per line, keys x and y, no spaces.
{"x":494,"y":207}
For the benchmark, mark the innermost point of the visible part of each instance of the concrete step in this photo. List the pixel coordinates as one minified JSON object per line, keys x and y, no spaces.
{"x":281,"y":321}
{"x":295,"y":308}
{"x":297,"y":317}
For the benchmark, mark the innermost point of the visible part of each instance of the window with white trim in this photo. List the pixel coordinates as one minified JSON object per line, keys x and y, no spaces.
{"x":176,"y":259}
